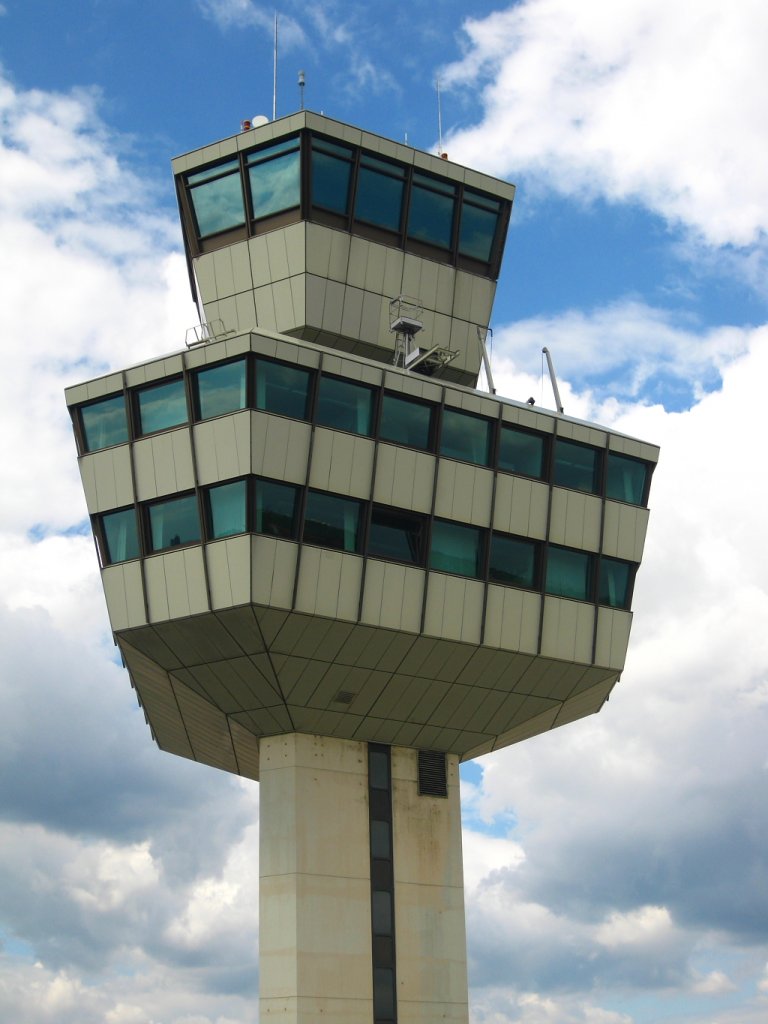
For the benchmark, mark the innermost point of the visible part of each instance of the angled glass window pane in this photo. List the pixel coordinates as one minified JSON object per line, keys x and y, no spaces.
{"x":381,"y":912}
{"x":514,"y":561}
{"x":396,"y":535}
{"x":227,"y":509}
{"x":456,"y":548}
{"x":576,"y":466}
{"x":332,"y":521}
{"x":274,"y":179}
{"x":104,"y":423}
{"x":221,"y":389}
{"x":430,"y":217}
{"x":331,"y":176}
{"x":174,"y":522}
{"x":217,"y":198}
{"x":615,"y":578}
{"x":121,"y":535}
{"x":162,"y":406}
{"x":406,"y":422}
{"x":283,"y":389}
{"x":466,"y":437}
{"x":522,"y":452}
{"x":477,"y":231}
{"x":380,"y":188}
{"x":569,"y":573}
{"x":344,"y":405}
{"x":626,"y":479}
{"x":276,"y":505}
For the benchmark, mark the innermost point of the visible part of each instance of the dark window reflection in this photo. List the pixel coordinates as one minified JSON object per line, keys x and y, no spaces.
{"x":172,"y":523}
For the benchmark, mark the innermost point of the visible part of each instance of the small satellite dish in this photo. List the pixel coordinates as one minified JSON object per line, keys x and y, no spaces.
{"x":258,"y":120}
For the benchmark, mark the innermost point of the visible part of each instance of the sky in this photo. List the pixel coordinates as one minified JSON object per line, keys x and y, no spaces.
{"x":616,"y":869}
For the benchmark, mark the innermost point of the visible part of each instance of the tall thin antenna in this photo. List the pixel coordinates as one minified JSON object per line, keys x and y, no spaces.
{"x":439,"y":119}
{"x":302,"y":83}
{"x":274,"y":77}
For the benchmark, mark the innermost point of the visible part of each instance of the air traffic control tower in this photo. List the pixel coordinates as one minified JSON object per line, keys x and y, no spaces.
{"x":334,"y":566}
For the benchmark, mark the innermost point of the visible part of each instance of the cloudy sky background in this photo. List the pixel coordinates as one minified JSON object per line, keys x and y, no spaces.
{"x":616,"y":870}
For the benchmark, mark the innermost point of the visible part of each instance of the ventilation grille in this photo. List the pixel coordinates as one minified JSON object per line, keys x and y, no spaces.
{"x":433,"y":779}
{"x":344,"y":697}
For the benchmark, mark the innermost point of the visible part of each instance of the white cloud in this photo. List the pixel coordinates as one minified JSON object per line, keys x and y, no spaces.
{"x":643,"y":100}
{"x":247,"y":14}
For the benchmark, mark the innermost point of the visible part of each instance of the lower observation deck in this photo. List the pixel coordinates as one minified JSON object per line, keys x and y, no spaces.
{"x":298,"y":540}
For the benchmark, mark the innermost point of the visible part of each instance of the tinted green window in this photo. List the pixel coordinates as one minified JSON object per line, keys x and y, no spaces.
{"x":344,"y":405}
{"x":104,"y":423}
{"x":217,"y":198}
{"x":466,"y":437}
{"x":430,"y":217}
{"x":331,"y":176}
{"x":569,"y":573}
{"x":161,"y":406}
{"x":615,"y":579}
{"x":276,"y":506}
{"x":406,"y":422}
{"x":626,"y":479}
{"x":332,"y":521}
{"x":514,"y":561}
{"x":273,"y":174}
{"x":283,"y":389}
{"x":121,"y":535}
{"x":522,"y":452}
{"x":456,"y":548}
{"x":576,"y":466}
{"x":221,"y":389}
{"x":227,"y":507}
{"x":479,"y":219}
{"x":380,"y":188}
{"x":174,"y":522}
{"x":396,"y":535}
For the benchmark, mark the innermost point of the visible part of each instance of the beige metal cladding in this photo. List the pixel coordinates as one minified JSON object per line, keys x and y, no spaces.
{"x":323,"y":285}
{"x":255,"y":635}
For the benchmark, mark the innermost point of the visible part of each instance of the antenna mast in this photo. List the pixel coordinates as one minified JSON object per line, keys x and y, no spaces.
{"x":439,"y":119}
{"x":274,"y":76}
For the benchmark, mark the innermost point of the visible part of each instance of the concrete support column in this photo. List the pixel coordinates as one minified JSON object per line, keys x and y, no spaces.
{"x":429,"y":897}
{"x":315,"y":894}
